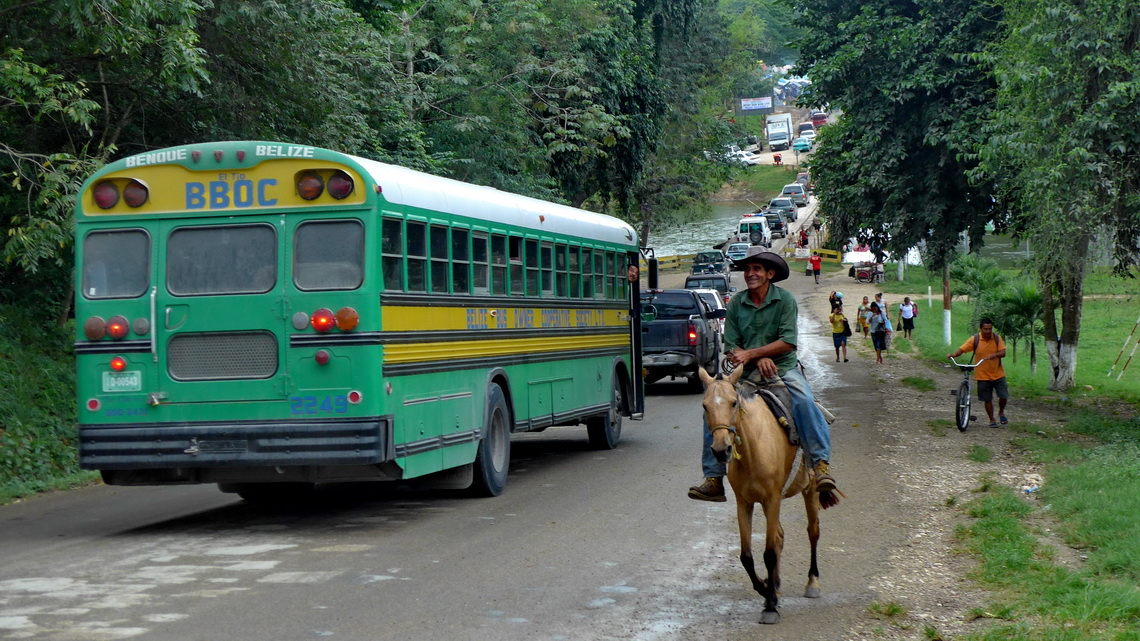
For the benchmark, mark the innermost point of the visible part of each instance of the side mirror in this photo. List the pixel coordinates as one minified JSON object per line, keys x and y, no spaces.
{"x":648,"y":313}
{"x":731,"y":289}
{"x":719,"y":313}
{"x":652,"y":278}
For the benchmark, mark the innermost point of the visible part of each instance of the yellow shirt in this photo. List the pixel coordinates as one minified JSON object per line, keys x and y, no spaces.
{"x":990,"y":370}
{"x":837,"y":323}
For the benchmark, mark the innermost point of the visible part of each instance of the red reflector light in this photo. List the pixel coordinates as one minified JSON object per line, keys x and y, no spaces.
{"x":135,"y":194}
{"x":94,"y":328}
{"x":118,"y":364}
{"x":347,"y":319}
{"x":310,"y":186}
{"x":321,"y":357}
{"x":340,"y":185}
{"x":93,"y":404}
{"x":354,"y":397}
{"x":106,"y":195}
{"x":323,"y":320}
{"x":118,"y":327}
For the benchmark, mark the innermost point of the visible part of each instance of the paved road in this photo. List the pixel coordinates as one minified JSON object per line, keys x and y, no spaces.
{"x":583,"y":545}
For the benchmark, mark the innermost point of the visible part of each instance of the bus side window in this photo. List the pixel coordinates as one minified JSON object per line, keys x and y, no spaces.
{"x":392,"y":254}
{"x":611,"y":270}
{"x":417,"y":256}
{"x":560,"y":273}
{"x":599,"y":274}
{"x":547,"y":280}
{"x":460,"y":261}
{"x":531,"y":259}
{"x":516,"y":265}
{"x":479,"y":261}
{"x":575,"y":272}
{"x":498,"y":264}
{"x":587,"y":273}
{"x":439,"y":259}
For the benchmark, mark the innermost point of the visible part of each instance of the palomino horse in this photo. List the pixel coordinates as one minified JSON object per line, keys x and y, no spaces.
{"x":760,"y":460}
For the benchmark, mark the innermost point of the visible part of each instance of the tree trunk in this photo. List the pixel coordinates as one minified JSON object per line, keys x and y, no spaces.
{"x":946,"y":304}
{"x":1064,"y":292}
{"x":65,"y":310}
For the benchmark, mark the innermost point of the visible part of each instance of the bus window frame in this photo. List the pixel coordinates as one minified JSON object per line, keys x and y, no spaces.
{"x":389,"y":258}
{"x":276,"y":258}
{"x":148,"y":267}
{"x":363,"y":254}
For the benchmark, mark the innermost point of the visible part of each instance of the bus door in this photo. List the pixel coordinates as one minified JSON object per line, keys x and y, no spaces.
{"x":219,"y":312}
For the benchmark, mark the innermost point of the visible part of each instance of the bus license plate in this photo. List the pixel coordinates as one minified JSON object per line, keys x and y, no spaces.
{"x":122,"y":381}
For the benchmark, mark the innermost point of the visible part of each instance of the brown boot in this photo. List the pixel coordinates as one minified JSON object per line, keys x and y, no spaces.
{"x":824,"y":482}
{"x":711,"y":490}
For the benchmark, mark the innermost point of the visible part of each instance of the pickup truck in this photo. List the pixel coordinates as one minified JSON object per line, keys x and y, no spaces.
{"x":678,"y":336}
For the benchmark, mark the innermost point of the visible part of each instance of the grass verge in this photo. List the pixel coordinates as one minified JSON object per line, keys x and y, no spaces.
{"x":1090,"y":493}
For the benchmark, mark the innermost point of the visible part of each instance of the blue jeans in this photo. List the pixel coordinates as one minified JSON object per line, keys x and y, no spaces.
{"x":814,"y":434}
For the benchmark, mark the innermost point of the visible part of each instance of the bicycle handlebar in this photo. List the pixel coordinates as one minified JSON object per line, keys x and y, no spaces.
{"x":964,"y":365}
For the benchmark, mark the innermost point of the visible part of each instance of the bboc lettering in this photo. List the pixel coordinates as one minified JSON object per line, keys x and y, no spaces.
{"x":220,"y":194}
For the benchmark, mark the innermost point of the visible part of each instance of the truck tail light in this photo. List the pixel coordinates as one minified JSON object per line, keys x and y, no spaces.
{"x":692,"y":334}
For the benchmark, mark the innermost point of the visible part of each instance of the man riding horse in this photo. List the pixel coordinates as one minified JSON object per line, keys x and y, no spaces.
{"x":760,"y":332}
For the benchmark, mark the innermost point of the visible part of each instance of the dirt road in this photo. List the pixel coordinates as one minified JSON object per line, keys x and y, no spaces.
{"x":905,"y":471}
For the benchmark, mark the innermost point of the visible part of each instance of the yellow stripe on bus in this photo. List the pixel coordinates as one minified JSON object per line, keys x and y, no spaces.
{"x":417,"y":352}
{"x":423,"y":319}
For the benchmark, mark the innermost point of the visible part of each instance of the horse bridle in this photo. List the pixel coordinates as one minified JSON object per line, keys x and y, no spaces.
{"x":736,"y":442}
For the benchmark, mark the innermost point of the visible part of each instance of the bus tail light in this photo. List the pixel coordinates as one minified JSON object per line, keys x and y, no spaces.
{"x":93,"y":404}
{"x":321,"y":357}
{"x":118,"y":363}
{"x":94,"y":328}
{"x":106,"y":195}
{"x":355,"y":397}
{"x":340,"y":185}
{"x":323,"y":320}
{"x":347,"y":319}
{"x":135,"y":194}
{"x":310,"y":186}
{"x":118,"y":327}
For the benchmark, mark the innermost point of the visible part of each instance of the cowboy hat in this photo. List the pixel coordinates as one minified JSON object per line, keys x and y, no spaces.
{"x":769,"y":259}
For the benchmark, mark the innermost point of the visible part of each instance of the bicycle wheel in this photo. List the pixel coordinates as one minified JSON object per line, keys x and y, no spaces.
{"x":962,"y":414}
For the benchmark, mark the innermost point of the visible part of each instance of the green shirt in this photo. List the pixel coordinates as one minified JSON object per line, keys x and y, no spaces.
{"x":748,"y":326}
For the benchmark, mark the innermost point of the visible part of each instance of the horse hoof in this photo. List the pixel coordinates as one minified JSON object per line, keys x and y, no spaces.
{"x":812,"y":593}
{"x":768,"y":618}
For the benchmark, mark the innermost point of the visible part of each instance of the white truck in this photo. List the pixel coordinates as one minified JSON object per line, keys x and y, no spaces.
{"x":778,"y":128}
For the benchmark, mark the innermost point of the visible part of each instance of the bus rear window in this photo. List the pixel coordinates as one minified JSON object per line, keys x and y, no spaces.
{"x":328,"y":255}
{"x":116,"y":264}
{"x":235,"y":259}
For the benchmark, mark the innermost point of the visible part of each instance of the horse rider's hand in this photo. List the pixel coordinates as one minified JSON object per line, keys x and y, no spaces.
{"x":735,"y":356}
{"x":767,"y":368}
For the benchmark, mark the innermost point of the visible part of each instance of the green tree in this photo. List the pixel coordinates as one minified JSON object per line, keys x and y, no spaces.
{"x":1065,"y":136}
{"x":1018,"y":310}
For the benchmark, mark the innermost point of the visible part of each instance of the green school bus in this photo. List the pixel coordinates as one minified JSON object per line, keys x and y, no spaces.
{"x":267,"y":316}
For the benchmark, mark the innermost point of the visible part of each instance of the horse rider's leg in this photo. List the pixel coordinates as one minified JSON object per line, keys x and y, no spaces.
{"x":810,"y":423}
{"x":812,"y":427}
{"x":811,"y":506}
{"x":712,"y":489}
{"x":744,"y":523}
{"x":773,"y":546}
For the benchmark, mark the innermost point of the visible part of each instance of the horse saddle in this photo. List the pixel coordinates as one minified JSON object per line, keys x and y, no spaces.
{"x":778,"y":399}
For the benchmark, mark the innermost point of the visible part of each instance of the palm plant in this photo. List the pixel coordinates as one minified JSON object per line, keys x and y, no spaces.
{"x":1018,"y":310}
{"x":976,"y":277}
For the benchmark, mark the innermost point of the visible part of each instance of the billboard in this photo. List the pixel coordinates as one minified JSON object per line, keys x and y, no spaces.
{"x":755,"y":104}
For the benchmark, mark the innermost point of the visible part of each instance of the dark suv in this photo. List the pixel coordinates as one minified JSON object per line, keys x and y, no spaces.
{"x":778,"y":224}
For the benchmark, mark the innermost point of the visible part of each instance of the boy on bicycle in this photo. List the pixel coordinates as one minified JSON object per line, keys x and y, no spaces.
{"x":988,"y":349}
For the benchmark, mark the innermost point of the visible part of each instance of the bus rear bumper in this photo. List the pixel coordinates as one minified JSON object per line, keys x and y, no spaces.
{"x":230,"y":445}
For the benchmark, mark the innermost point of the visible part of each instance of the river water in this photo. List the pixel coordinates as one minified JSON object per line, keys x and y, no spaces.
{"x":715,"y":227}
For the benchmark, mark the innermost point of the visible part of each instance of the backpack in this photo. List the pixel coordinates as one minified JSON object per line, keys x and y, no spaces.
{"x":977,"y":337}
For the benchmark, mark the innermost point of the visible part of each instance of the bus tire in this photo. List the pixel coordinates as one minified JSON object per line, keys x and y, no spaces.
{"x":494,"y":456}
{"x":605,"y":430}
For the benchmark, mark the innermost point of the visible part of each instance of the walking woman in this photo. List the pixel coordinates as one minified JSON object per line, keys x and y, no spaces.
{"x":865,"y":318}
{"x":879,"y":331}
{"x":908,"y":311}
{"x":839,"y":331}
